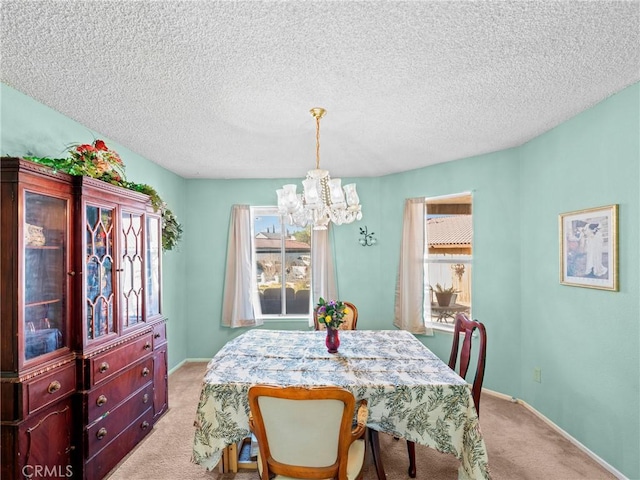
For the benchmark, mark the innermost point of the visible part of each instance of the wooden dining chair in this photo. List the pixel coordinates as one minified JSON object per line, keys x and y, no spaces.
{"x":463,"y":326}
{"x":307,"y":432}
{"x":350,"y":319}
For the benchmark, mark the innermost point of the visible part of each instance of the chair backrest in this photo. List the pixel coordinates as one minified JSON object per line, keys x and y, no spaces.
{"x":302,"y":432}
{"x":463,"y":325}
{"x":350,"y":319}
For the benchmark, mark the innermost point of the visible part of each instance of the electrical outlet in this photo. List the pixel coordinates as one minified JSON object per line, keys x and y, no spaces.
{"x":537,"y":375}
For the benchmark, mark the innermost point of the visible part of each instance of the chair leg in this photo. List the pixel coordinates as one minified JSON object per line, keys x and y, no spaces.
{"x":374,"y":440}
{"x":411,"y":448}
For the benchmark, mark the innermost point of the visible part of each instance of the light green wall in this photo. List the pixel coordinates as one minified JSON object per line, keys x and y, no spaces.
{"x":30,"y":128}
{"x":587,"y":342}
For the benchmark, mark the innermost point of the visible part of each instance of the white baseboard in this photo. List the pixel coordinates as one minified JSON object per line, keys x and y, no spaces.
{"x":566,"y":435}
{"x":177,"y":366}
{"x":189,"y":360}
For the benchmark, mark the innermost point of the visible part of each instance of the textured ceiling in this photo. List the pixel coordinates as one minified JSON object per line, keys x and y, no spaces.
{"x":221,"y":89}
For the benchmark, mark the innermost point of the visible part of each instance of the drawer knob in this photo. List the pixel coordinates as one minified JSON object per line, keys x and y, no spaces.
{"x":145,"y":398}
{"x":147,"y":346}
{"x":71,"y":273}
{"x":104,"y":366}
{"x":144,"y":425}
{"x":101,"y":400}
{"x":157,"y":335}
{"x":101,"y":433}
{"x":53,"y":386}
{"x":145,"y":371}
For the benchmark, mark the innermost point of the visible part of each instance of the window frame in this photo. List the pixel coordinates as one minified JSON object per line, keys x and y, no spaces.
{"x":428,"y":318}
{"x":270,"y":210}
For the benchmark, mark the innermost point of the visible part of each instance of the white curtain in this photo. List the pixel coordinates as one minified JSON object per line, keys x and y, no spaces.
{"x":410,"y":301}
{"x":323,"y":278}
{"x":240,"y":289}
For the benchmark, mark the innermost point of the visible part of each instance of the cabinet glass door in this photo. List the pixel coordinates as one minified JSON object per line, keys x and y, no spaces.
{"x":131,"y":298}
{"x":45,"y":274}
{"x":99,"y":271}
{"x":153,"y":266}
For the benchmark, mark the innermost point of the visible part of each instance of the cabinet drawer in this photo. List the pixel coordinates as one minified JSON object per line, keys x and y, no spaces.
{"x":105,"y":365}
{"x":107,"y":458}
{"x":108,"y":395}
{"x":51,"y":387}
{"x":159,"y":335}
{"x":102,"y":432}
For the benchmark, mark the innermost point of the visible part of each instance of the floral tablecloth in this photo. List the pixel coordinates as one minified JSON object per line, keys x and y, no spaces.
{"x":411,"y":393}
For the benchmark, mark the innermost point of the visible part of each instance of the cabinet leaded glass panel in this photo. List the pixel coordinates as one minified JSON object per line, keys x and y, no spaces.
{"x":131,"y":264}
{"x":99,"y":271}
{"x":153,"y":266}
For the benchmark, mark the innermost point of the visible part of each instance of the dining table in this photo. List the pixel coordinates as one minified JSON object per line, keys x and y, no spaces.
{"x":411,"y":393}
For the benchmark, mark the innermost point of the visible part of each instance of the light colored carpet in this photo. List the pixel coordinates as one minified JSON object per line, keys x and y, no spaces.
{"x":520,"y":446}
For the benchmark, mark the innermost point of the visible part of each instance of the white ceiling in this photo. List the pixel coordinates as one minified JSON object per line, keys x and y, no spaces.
{"x":222,"y":89}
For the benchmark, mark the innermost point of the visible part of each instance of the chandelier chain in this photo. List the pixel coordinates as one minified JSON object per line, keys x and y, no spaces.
{"x":317,"y":142}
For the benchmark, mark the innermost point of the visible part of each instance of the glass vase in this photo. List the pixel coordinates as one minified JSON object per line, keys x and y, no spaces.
{"x":333,"y":340}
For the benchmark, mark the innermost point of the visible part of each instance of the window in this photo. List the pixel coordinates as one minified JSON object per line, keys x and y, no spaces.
{"x":448,"y":255}
{"x":282,"y":262}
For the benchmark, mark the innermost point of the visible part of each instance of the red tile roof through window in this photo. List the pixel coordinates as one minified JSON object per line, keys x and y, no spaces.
{"x":453,"y":230}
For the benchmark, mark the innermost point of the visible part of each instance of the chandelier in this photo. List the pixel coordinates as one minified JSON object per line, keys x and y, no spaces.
{"x":323,"y":200}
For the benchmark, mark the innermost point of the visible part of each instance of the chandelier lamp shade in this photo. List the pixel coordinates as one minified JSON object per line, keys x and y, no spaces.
{"x":324,"y":199}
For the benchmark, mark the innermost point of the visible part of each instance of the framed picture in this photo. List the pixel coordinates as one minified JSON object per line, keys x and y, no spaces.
{"x":589,"y":248}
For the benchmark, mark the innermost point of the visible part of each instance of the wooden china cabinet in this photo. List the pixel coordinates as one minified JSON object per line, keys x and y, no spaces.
{"x":84,"y":347}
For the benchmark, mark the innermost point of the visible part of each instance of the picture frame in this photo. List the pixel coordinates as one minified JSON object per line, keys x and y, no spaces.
{"x":589,"y":248}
